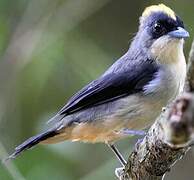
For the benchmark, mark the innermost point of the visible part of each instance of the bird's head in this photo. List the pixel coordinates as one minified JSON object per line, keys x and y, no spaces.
{"x":161,"y":32}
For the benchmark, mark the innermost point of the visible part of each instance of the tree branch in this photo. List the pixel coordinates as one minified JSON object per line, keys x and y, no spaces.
{"x":190,"y":71}
{"x":168,"y":139}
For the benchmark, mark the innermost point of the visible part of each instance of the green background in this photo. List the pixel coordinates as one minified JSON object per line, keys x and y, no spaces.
{"x":49,"y":49}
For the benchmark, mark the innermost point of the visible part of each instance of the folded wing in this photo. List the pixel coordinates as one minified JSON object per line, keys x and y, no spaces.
{"x":111,"y":86}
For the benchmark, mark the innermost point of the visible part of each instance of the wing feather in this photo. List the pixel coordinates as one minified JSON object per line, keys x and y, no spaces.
{"x":111,"y":86}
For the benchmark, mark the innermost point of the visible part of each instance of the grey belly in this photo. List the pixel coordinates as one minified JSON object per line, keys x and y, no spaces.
{"x":102,"y":123}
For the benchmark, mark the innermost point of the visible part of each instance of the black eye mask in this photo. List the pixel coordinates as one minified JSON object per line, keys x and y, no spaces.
{"x":160,"y":24}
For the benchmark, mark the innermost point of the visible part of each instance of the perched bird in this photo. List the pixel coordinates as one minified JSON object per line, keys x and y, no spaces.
{"x":130,"y":95}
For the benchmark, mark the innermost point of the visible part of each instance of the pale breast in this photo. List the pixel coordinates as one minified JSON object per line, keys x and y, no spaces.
{"x":169,"y":82}
{"x":164,"y":88}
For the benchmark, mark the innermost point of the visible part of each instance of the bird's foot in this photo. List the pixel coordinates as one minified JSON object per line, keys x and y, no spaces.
{"x":119,"y":172}
{"x":139,"y":141}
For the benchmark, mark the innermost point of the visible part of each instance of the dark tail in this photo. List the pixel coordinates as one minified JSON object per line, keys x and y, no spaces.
{"x":29,"y":143}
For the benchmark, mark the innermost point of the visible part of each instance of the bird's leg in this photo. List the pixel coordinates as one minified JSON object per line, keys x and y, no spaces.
{"x":118,"y":154}
{"x":118,"y":171}
{"x":132,"y":132}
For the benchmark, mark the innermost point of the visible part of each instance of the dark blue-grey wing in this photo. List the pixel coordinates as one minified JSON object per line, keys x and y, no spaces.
{"x":111,"y":87}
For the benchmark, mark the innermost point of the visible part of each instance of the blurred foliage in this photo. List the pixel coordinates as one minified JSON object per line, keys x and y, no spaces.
{"x":49,"y":50}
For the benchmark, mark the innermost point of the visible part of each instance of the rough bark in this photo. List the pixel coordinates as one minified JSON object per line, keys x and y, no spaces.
{"x":168,"y":139}
{"x":190,"y":71}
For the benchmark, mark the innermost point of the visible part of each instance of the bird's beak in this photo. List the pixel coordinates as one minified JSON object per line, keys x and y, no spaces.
{"x":179,"y":33}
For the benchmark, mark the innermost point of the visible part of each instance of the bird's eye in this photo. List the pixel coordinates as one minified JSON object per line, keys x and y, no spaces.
{"x":158,"y":29}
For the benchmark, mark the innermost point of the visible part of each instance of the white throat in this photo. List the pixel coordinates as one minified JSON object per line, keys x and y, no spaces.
{"x":167,"y":50}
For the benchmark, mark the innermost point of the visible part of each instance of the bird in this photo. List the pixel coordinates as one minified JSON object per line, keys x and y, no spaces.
{"x":128,"y":97}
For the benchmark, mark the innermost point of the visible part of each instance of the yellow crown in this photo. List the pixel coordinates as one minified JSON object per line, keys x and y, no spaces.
{"x":159,"y":8}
